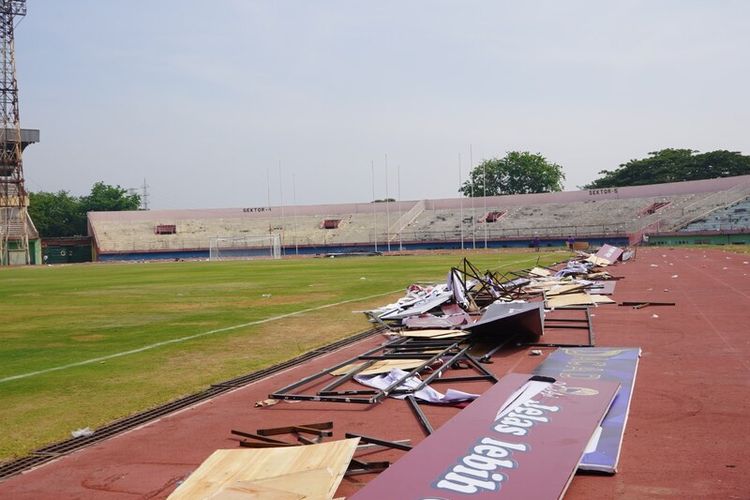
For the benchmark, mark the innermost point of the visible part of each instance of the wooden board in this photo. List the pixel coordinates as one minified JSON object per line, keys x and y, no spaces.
{"x":603,"y":287}
{"x":538,"y":271}
{"x":433,"y":333}
{"x":577,"y":299}
{"x":544,"y":285}
{"x":598,"y":261}
{"x":564,"y":289}
{"x":310,"y":472}
{"x":382,"y":366}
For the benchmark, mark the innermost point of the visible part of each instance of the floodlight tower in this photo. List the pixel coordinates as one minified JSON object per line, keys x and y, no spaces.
{"x":14,"y":221}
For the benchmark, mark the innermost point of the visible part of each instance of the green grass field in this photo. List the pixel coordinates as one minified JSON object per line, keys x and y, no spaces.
{"x":55,"y":316}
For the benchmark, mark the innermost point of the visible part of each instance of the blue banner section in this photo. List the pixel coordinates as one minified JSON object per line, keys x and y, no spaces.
{"x":617,"y":364}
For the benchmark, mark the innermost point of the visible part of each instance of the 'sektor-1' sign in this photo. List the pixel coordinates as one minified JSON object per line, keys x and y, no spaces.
{"x":523,"y":438}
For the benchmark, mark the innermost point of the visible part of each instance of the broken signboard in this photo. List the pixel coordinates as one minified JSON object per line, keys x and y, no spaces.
{"x":522,"y":429}
{"x":618,"y":364}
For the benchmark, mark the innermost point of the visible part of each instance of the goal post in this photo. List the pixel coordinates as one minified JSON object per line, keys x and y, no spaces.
{"x":244,"y":247}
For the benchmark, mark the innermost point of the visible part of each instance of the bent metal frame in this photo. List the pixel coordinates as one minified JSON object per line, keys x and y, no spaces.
{"x":453,"y":353}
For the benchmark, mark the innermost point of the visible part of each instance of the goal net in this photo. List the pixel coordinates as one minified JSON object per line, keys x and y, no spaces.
{"x":244,"y":247}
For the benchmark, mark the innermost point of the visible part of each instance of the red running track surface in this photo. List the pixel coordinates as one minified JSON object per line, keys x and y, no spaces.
{"x":687,"y":435}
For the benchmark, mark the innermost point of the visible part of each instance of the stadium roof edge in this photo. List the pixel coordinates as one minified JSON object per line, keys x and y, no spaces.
{"x":647,"y":191}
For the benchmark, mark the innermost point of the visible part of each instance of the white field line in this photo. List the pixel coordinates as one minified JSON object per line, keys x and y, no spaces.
{"x":210,"y":332}
{"x":189,"y":337}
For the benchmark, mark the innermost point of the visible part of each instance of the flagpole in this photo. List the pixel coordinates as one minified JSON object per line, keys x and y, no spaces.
{"x":387,"y":209}
{"x":294,"y":201}
{"x":281,"y":200}
{"x":374,"y":212}
{"x":473,"y":207}
{"x":461,"y":201}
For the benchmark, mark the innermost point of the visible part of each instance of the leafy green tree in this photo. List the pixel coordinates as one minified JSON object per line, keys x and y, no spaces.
{"x":673,"y":165}
{"x":60,"y":214}
{"x":106,"y":198}
{"x":57,"y":214}
{"x":518,"y":172}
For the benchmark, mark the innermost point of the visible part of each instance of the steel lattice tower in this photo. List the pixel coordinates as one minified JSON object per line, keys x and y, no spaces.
{"x":14,"y":234}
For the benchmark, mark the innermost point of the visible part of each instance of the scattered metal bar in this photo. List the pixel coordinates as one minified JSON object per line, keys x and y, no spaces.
{"x":367,"y":446}
{"x":258,"y":436}
{"x":357,"y":467}
{"x":642,"y":304}
{"x":380,"y":442}
{"x":317,"y":428}
{"x":486,"y":357}
{"x":304,"y":440}
{"x":421,"y":417}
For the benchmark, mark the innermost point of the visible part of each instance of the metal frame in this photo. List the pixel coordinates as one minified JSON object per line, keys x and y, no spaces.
{"x":570,"y":324}
{"x":13,"y":195}
{"x":428,"y":350}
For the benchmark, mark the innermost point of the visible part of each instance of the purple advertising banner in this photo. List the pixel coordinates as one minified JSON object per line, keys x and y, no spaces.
{"x":609,"y":252}
{"x":523,"y":438}
{"x":617,"y":364}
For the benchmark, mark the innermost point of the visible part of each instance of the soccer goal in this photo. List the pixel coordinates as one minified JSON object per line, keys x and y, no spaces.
{"x":244,"y":247}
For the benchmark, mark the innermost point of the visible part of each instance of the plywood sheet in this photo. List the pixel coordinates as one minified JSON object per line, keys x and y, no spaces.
{"x":598,"y":261}
{"x":382,"y":366}
{"x":543,"y":285}
{"x":601,"y":299}
{"x":539,"y":271}
{"x":577,"y":299}
{"x":604,"y":287}
{"x":563,"y":289}
{"x":295,"y":472}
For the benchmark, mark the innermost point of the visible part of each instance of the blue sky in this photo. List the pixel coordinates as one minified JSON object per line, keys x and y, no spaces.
{"x":205,"y":104}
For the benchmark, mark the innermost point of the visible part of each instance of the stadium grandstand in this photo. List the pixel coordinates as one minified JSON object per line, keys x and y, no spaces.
{"x":688,"y":211}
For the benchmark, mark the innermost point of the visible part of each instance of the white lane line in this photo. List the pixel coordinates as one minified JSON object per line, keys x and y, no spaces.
{"x":189,"y":337}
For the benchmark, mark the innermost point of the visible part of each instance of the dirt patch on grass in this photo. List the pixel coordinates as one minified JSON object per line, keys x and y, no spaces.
{"x":258,"y":346}
{"x":88,"y":338}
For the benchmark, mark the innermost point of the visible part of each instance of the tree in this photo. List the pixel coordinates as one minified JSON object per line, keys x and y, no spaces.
{"x":674,"y":165}
{"x":60,"y":214}
{"x":519,"y":172}
{"x":106,"y":198}
{"x":57,"y":214}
